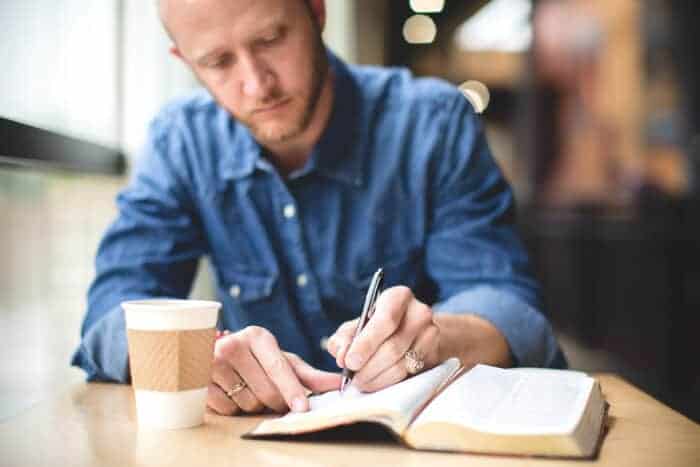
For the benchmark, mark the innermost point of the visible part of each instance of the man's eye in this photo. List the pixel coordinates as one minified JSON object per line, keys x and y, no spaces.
{"x":218,"y":62}
{"x":270,"y":39}
{"x":273,"y":38}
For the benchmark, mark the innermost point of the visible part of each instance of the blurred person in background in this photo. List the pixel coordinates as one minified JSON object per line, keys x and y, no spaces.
{"x":586,"y":53}
{"x":685,"y":16}
{"x":299,"y":175}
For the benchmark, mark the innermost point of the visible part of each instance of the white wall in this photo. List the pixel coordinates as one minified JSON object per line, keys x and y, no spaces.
{"x":63,"y":67}
{"x":340,"y":33}
{"x":58,"y":66}
{"x":65,"y":70}
{"x":151,"y":75}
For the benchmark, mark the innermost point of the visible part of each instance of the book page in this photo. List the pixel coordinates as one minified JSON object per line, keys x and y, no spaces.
{"x":515,"y":401}
{"x":404,"y":397}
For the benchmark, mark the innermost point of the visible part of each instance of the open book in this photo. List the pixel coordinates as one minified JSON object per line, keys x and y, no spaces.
{"x":522,"y":411}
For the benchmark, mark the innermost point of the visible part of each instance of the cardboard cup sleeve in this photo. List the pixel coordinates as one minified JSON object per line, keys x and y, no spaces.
{"x":171,"y":361}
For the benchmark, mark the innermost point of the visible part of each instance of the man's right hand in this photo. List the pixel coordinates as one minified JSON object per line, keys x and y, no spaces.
{"x":272,"y":379}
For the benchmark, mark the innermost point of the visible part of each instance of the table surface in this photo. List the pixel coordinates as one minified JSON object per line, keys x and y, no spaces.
{"x":94,"y":424}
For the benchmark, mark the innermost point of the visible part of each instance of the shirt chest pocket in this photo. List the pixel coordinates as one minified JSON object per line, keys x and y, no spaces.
{"x":247,"y":287}
{"x":241,"y":245}
{"x":344,"y":294}
{"x":247,"y":295}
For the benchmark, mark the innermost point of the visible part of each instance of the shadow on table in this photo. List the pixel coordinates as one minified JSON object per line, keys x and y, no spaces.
{"x":357,"y":433}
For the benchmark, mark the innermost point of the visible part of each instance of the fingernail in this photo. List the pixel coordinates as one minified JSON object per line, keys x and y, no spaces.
{"x":353,"y":361}
{"x":340,"y":348}
{"x":327,"y":344}
{"x":299,"y":405}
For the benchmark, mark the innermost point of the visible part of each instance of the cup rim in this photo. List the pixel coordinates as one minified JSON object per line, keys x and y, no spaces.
{"x":170,"y":314}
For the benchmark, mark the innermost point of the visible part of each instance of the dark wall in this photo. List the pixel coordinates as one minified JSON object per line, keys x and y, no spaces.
{"x":630,"y":285}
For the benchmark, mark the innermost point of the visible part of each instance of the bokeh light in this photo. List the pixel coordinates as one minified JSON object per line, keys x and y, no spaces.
{"x":419,"y":29}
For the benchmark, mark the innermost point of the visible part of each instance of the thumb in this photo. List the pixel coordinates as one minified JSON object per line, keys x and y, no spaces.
{"x":313,"y":378}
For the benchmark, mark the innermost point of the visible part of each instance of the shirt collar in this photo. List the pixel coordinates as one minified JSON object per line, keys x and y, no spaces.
{"x":333,"y":154}
{"x":240,"y":162}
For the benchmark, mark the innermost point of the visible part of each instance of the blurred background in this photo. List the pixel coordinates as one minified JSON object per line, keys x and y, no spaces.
{"x":594,"y":117}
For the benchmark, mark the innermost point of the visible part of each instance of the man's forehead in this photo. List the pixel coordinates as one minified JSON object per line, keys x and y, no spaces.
{"x":167,"y":8}
{"x":181,"y":17}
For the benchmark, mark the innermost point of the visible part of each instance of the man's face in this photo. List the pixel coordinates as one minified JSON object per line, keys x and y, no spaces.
{"x":263,"y":60}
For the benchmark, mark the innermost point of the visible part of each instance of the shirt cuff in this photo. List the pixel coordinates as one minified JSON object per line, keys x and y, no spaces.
{"x":103,"y":351}
{"x":527,"y":331}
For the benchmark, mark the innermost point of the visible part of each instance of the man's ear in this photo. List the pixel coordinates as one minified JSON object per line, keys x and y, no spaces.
{"x":318,"y":8}
{"x":175,"y":52}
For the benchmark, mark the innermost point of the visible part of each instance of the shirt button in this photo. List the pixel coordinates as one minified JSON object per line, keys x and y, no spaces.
{"x":235,"y":291}
{"x":289,"y":211}
{"x":302,"y":280}
{"x":324,"y":343}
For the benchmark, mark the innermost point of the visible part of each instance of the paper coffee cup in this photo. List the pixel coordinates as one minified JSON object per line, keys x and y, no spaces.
{"x":171,"y":348}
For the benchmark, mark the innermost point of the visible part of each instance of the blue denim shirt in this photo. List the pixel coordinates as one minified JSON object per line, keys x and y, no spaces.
{"x":401,"y":178}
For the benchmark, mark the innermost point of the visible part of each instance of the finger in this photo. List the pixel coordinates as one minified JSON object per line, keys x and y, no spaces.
{"x":418,"y":317}
{"x":340,"y":341}
{"x":257,"y":380}
{"x":316,"y":380}
{"x":391,"y":306}
{"x":247,"y":401}
{"x":341,"y":337}
{"x":219,"y":402}
{"x":426,"y":345}
{"x":392,"y":375}
{"x":342,"y":352}
{"x":226,"y":378}
{"x":235,"y":352}
{"x":266,"y":351}
{"x":390,"y":352}
{"x":347,"y":328}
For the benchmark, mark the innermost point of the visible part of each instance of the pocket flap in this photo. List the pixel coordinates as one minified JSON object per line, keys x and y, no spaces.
{"x":246,"y":286}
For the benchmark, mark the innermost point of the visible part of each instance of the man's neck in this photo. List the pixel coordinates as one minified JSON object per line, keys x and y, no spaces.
{"x":292,"y":155}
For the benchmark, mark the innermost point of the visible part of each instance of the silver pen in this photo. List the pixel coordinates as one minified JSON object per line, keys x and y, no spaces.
{"x":367,"y":312}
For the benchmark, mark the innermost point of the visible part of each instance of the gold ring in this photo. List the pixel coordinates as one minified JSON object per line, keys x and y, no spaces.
{"x":414,"y":362}
{"x":236,"y":388}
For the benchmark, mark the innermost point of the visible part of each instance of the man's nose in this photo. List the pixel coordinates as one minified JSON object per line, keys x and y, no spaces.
{"x":257,"y":80}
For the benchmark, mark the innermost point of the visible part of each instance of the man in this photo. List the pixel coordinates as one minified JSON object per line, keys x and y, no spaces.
{"x":299,"y":176}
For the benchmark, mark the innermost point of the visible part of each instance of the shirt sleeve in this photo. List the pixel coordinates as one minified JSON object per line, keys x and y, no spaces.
{"x":474,"y":254}
{"x":151,"y":250}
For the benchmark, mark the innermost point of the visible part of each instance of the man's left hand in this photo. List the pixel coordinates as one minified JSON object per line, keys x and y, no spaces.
{"x":378,"y":356}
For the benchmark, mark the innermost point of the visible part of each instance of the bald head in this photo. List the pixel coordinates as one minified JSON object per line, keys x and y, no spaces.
{"x":166,"y":7}
{"x":161,"y":8}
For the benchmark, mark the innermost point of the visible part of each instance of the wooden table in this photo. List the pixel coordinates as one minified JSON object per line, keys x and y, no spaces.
{"x":94,"y":425}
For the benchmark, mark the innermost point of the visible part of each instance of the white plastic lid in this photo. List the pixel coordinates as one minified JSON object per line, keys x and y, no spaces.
{"x":161,"y":314}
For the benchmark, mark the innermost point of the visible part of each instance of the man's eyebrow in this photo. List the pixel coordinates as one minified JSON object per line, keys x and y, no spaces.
{"x":266,"y":28}
{"x":201,"y":57}
{"x":268,"y":25}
